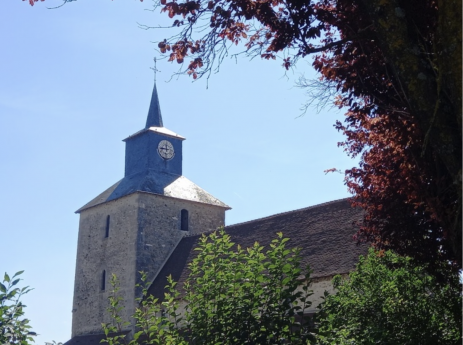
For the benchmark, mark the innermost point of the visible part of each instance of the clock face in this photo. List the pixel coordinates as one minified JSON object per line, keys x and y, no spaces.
{"x":166,"y":150}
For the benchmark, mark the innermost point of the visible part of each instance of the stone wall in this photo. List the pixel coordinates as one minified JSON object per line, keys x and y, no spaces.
{"x":159,"y":227}
{"x":95,"y":253}
{"x":144,"y":229}
{"x":318,"y":287}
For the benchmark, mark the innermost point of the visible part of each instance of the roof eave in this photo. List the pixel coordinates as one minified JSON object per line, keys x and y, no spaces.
{"x":83,"y":208}
{"x":161,"y":130}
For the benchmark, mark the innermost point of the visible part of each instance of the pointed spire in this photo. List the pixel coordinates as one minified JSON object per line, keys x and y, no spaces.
{"x":154,"y":113}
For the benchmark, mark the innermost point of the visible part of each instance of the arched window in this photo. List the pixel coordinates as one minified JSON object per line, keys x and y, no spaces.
{"x":107,"y":227}
{"x":103,"y":280}
{"x":184,"y":220}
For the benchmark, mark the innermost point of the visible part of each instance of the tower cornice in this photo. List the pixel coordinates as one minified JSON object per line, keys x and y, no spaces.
{"x":160,"y":130}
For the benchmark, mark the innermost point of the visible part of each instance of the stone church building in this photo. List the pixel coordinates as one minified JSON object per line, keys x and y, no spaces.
{"x":152,"y":219}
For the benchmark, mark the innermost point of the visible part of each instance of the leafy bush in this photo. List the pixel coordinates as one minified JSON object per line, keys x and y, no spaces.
{"x":389,"y":299}
{"x":232,"y":296}
{"x":14,"y":329}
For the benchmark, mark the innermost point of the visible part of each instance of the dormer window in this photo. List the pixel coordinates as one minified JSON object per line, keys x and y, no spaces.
{"x":184,"y":220}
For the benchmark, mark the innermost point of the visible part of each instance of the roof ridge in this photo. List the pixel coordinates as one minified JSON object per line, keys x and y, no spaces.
{"x":267,"y":217}
{"x":288,"y":212}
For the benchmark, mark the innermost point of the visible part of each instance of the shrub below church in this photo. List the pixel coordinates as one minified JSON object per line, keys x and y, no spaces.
{"x":390,"y":299}
{"x":233,"y":295}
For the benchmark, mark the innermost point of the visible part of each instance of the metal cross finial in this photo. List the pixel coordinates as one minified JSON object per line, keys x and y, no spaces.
{"x":155,"y":69}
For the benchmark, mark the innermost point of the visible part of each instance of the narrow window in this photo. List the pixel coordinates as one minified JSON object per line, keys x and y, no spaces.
{"x":103,"y":280}
{"x":107,"y":227}
{"x":184,"y":220}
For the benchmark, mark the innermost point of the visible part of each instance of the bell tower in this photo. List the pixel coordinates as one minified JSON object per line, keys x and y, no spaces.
{"x":136,"y":224}
{"x":154,"y":148}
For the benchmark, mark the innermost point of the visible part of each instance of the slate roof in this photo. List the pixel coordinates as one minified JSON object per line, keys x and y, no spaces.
{"x":323,"y":232}
{"x":154,"y":118}
{"x":169,"y":185}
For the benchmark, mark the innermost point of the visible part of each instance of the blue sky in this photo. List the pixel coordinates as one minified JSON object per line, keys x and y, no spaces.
{"x":76,"y":81}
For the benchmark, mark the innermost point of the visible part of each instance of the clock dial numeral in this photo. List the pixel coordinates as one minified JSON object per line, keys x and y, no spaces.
{"x":166,"y":150}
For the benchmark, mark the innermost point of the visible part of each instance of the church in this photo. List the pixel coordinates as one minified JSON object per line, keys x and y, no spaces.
{"x":153,"y":217}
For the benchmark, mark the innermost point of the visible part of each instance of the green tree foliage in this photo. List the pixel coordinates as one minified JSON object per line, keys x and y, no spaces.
{"x":389,"y":299}
{"x":14,"y":328}
{"x":394,"y":66}
{"x":232,"y":296}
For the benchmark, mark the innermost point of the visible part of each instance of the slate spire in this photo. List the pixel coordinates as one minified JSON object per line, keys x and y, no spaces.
{"x":154,"y":113}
